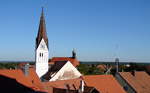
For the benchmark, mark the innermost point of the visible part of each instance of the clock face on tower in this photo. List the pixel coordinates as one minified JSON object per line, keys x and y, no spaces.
{"x":42,"y":46}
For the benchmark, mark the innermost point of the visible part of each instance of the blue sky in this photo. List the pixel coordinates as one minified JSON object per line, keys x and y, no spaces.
{"x":99,"y":30}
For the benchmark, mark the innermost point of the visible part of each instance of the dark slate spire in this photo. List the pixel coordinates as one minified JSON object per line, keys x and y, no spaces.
{"x":42,"y":31}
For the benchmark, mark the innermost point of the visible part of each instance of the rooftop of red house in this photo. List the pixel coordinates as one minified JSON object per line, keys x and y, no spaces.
{"x":139,"y":80}
{"x":103,"y":83}
{"x":31,"y":80}
{"x":74,"y":61}
{"x":147,"y":69}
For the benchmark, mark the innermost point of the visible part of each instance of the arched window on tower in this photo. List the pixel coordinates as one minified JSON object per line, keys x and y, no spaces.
{"x":40,"y":54}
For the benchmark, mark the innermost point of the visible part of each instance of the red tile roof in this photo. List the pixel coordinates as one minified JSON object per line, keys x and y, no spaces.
{"x":102,"y":67}
{"x":74,"y":61}
{"x":30,"y":81}
{"x":33,"y":77}
{"x":62,"y":83}
{"x":147,"y":69}
{"x":140,"y":81}
{"x":103,"y":83}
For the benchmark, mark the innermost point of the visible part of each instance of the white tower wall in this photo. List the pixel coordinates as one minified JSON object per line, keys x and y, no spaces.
{"x":42,"y":59}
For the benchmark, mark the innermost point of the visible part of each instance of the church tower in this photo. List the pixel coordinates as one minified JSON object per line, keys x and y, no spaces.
{"x":41,"y":49}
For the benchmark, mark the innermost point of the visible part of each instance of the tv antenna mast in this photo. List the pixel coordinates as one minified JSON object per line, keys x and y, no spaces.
{"x":117,"y":58}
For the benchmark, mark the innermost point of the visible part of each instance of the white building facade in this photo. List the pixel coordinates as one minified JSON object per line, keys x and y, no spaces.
{"x":68,"y":71}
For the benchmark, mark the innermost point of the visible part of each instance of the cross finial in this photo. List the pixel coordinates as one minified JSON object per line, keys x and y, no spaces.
{"x":42,"y":10}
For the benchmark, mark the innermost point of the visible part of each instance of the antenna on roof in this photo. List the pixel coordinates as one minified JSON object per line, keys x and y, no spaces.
{"x":116,"y":58}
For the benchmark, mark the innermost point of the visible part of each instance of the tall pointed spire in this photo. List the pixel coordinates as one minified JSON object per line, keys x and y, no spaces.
{"x":41,"y":51}
{"x":42,"y":30}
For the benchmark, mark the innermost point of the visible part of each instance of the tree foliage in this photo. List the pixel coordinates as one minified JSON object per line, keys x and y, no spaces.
{"x":8,"y":65}
{"x":89,"y":69}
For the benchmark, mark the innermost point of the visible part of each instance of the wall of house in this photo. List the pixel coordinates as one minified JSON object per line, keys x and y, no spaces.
{"x":124,"y":84}
{"x":68,"y":71}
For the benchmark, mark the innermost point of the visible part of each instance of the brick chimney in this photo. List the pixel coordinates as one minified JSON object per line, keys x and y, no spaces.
{"x":26,"y":69}
{"x":133,"y":72}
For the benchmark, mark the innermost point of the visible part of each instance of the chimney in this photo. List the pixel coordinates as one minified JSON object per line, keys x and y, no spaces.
{"x":81,"y":88}
{"x":26,"y":69}
{"x":133,"y":72}
{"x":117,"y":64}
{"x":74,"y":54}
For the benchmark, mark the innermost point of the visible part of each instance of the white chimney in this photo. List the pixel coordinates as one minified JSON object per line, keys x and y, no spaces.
{"x":81,"y":88}
{"x":82,"y":85}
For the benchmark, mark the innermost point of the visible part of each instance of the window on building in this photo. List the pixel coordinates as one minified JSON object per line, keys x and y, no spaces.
{"x":40,"y":55}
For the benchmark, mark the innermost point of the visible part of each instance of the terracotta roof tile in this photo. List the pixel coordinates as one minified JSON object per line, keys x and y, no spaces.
{"x":102,"y":67}
{"x":148,"y":68}
{"x":33,"y":77}
{"x":30,"y":81}
{"x":62,"y":83}
{"x":139,"y":81}
{"x":18,"y":75}
{"x":103,"y":83}
{"x":74,"y":61}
